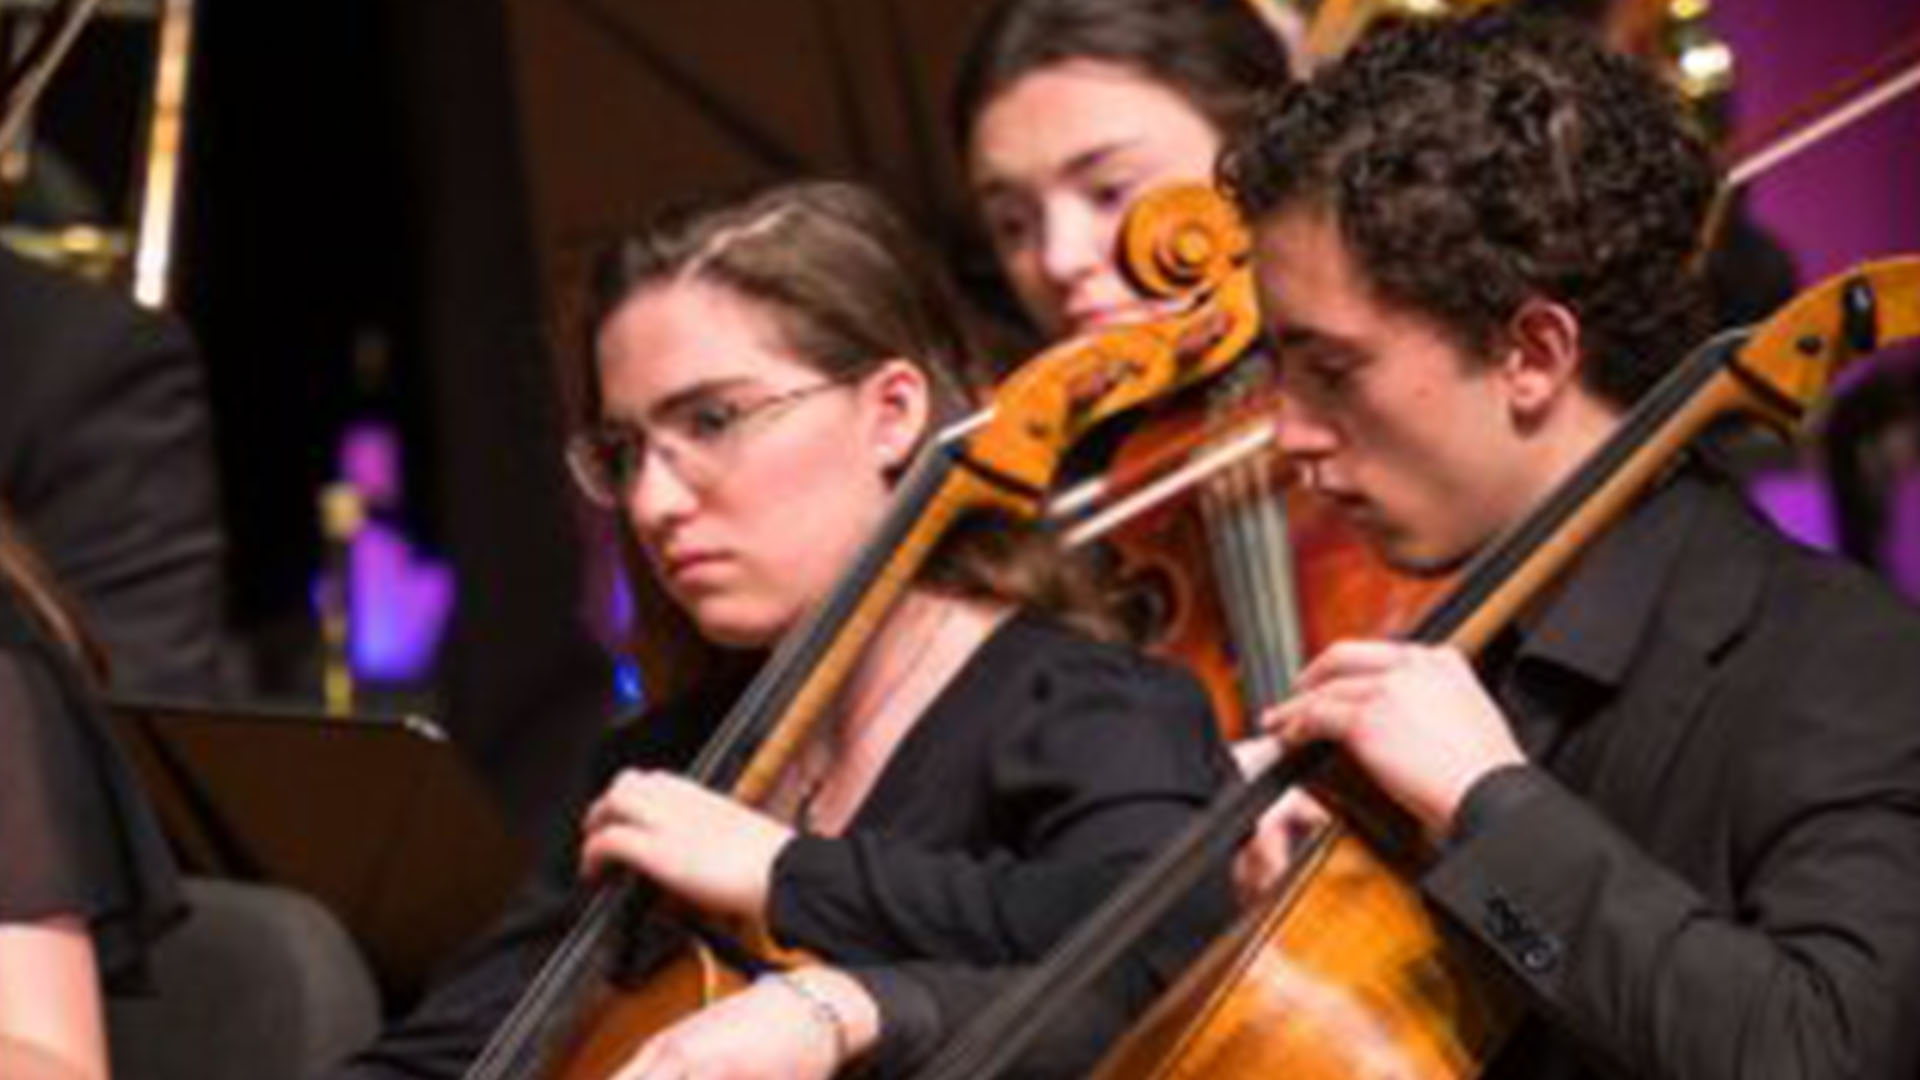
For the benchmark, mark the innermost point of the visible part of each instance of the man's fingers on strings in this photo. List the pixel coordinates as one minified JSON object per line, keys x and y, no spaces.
{"x":1352,"y":659}
{"x":618,"y":803}
{"x":615,"y":844}
{"x":1328,"y":714}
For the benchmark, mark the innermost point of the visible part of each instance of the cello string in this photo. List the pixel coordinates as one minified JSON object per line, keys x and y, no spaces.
{"x":1269,"y":602}
{"x":1274,"y":529}
{"x":1252,"y":600}
{"x":1229,"y":572}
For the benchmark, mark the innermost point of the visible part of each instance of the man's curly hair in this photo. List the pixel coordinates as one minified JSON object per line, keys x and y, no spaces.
{"x":1473,"y":164}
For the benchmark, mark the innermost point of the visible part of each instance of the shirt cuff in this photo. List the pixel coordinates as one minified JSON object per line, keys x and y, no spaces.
{"x":910,"y":1025}
{"x":804,"y":867}
{"x":1491,"y":798}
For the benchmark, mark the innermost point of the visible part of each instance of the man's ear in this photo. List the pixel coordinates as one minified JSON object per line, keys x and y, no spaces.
{"x":1541,"y":358}
{"x":901,"y":406}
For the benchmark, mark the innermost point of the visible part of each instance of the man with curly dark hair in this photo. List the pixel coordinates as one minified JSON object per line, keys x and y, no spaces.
{"x":1466,"y":175}
{"x":1677,"y":806}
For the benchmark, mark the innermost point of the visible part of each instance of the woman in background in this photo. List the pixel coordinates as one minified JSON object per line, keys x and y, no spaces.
{"x":1066,"y":110}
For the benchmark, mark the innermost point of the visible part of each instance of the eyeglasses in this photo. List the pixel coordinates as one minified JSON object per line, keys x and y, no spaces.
{"x":697,"y":437}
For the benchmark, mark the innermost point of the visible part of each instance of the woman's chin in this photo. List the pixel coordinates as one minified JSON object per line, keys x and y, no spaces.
{"x":732,"y":626}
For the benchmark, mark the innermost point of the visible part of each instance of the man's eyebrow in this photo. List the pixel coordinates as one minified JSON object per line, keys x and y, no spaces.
{"x":1294,"y":336}
{"x":1300,"y":336}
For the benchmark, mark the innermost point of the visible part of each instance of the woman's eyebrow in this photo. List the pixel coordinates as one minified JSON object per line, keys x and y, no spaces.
{"x":1074,"y":168}
{"x":694,"y":393}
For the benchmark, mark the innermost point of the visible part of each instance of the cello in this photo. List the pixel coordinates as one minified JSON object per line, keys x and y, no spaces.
{"x":1343,"y":971}
{"x":606,"y":989}
{"x":1231,"y":567}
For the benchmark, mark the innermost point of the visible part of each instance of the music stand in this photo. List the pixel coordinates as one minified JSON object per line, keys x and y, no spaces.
{"x":381,"y":819}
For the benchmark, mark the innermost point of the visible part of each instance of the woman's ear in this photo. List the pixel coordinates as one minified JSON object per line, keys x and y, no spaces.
{"x":1542,"y":360}
{"x":900,"y":406}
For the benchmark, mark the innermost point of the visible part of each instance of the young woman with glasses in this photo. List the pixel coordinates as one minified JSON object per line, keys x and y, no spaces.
{"x":763,"y":371}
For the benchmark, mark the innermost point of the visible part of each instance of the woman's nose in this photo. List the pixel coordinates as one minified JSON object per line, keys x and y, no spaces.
{"x":658,"y":495}
{"x":1074,"y":244}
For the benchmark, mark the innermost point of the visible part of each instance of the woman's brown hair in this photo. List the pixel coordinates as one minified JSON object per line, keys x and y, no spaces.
{"x":1218,"y":55}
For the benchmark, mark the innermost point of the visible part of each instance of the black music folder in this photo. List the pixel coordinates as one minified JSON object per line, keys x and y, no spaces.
{"x":381,"y":819}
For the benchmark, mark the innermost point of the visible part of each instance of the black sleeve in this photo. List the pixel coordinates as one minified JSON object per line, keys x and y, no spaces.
{"x":1811,"y":970}
{"x":76,"y":835}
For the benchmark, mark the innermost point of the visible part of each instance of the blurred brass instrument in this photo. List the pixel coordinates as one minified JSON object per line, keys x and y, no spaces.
{"x":110,"y":220}
{"x":1674,"y":35}
{"x":1698,"y":60}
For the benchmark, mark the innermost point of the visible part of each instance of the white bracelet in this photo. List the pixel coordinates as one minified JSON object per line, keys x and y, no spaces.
{"x":824,"y":1011}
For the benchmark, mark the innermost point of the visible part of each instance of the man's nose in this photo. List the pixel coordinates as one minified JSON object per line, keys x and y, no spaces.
{"x":1302,"y":433}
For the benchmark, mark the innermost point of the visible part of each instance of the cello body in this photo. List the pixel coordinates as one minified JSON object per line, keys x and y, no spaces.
{"x":1343,"y":974}
{"x":620,"y":1023}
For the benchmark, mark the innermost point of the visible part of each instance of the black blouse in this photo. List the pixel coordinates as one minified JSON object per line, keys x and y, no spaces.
{"x":1046,"y":768}
{"x":76,"y":836}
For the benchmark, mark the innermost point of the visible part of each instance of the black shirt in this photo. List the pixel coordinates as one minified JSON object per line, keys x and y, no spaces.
{"x":1046,"y":768}
{"x":76,"y":836}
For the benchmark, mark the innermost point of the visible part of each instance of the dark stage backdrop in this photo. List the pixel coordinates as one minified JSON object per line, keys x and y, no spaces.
{"x":356,"y":175}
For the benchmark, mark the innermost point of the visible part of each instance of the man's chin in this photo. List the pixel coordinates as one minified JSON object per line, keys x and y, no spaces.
{"x":1408,"y":555}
